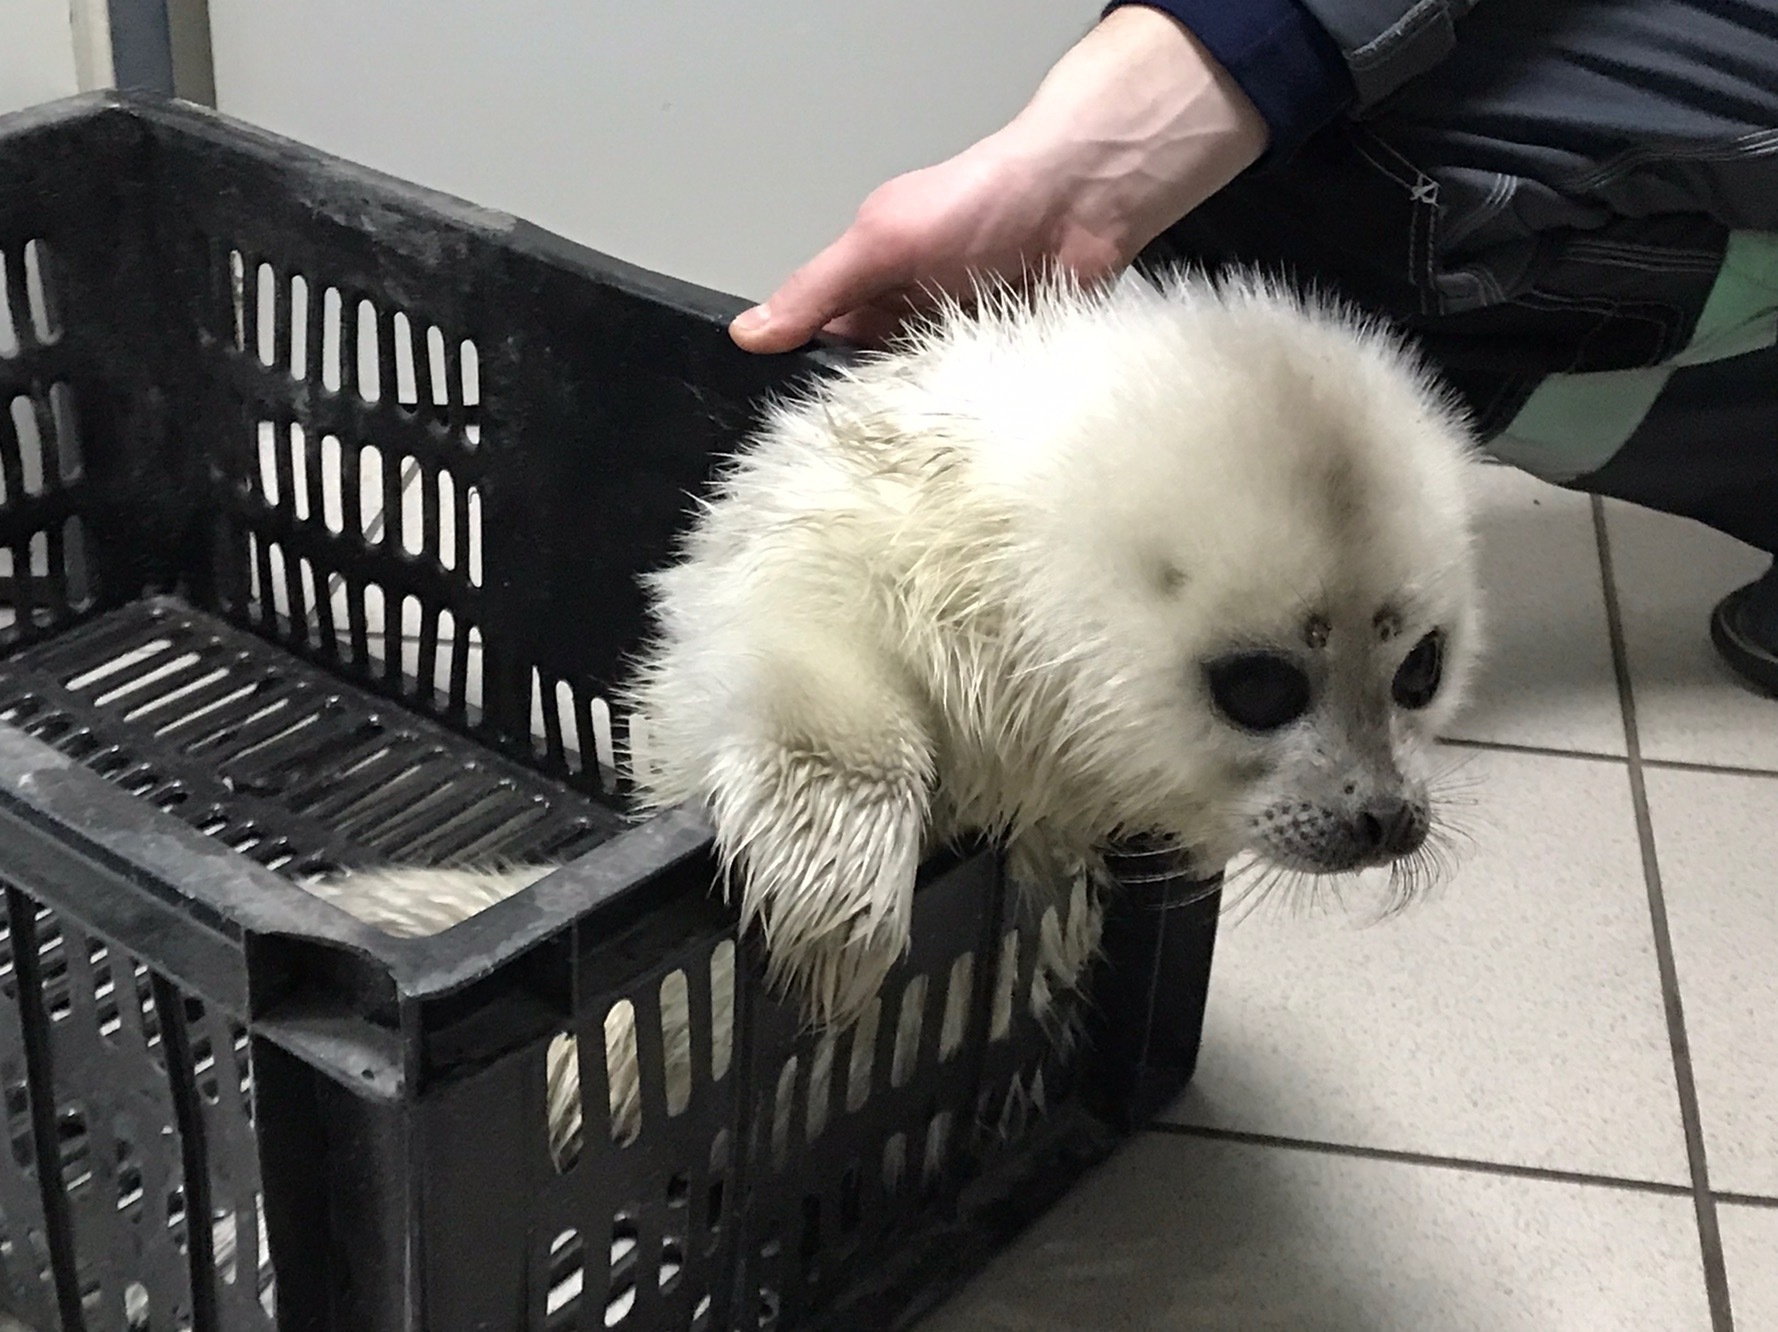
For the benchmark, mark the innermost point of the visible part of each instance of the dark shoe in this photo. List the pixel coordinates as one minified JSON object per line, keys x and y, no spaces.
{"x":1744,"y":627}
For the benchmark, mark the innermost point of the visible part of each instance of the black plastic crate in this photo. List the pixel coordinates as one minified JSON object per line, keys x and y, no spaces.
{"x":322,"y":504}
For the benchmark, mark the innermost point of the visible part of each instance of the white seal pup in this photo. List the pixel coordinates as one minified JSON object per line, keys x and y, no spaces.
{"x":1191,"y":560}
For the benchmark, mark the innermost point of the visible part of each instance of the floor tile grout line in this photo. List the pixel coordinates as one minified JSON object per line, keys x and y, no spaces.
{"x":1537,"y":751}
{"x":1465,"y":1164}
{"x":1716,"y":1282}
{"x":1712,"y":769}
{"x":1599,"y":756}
{"x":1747,"y":1200}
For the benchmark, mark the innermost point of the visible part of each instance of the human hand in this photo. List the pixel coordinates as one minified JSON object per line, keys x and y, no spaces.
{"x":1131,"y":130}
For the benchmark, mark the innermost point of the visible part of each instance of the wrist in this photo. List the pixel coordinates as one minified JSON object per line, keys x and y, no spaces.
{"x":1134,"y":127}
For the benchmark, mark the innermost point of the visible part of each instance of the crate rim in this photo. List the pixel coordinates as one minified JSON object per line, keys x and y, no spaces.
{"x":164,"y":114}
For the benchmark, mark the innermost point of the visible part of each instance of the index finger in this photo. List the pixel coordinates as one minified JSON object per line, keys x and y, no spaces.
{"x":850,"y":273}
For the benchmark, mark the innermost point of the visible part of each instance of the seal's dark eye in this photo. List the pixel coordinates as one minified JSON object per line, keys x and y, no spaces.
{"x":1417,"y":679}
{"x":1258,"y":691}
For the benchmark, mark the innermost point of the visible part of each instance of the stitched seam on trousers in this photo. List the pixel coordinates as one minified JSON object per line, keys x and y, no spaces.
{"x":1421,"y":220}
{"x":1610,"y":311}
{"x":1499,"y":194}
{"x":1641,"y":261}
{"x":1754,"y":143}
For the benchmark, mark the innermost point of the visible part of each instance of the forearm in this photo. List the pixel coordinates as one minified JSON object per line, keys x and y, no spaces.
{"x":1278,"y":53}
{"x":1141,"y":124}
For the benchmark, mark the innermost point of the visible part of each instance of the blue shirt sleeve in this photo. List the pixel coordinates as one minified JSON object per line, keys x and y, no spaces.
{"x":1283,"y":59}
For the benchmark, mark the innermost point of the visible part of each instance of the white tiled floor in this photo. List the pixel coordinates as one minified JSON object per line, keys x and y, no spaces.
{"x":1719,"y":868}
{"x":1473,"y":1116}
{"x":1688,"y":710}
{"x":1750,"y":1245}
{"x":1182,"y":1234}
{"x":1514,"y":1017}
{"x":1550,"y":682}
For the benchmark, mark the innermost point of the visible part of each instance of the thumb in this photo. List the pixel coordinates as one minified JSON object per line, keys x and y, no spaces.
{"x":843,"y":277}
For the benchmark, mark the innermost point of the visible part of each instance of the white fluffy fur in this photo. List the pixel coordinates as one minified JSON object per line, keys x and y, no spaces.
{"x":969,"y":585}
{"x":964,"y":586}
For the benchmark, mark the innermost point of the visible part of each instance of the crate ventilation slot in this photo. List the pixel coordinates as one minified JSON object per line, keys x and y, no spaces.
{"x":274,"y":759}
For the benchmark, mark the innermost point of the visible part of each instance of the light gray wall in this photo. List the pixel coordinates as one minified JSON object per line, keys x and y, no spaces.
{"x":719,"y":140}
{"x":36,"y":52}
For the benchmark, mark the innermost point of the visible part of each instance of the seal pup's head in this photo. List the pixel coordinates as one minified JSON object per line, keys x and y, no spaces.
{"x":1245,"y":544}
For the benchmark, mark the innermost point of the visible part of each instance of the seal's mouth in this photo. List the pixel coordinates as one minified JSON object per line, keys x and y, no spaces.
{"x":1331,"y":866}
{"x":1373,"y":887}
{"x":1315,"y":839}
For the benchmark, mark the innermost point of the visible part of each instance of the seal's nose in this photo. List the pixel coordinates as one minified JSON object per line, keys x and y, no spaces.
{"x":1390,"y":828}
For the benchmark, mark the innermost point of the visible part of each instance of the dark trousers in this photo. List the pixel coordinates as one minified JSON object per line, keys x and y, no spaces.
{"x":1576,"y":217}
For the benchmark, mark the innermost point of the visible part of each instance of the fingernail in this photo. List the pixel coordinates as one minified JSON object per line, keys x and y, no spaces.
{"x":750,"y":320}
